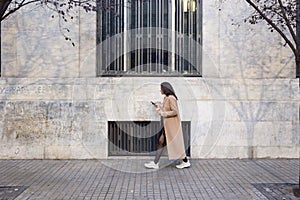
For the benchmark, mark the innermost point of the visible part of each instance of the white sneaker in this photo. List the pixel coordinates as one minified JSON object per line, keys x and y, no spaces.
{"x":151,"y":165}
{"x":184,"y":165}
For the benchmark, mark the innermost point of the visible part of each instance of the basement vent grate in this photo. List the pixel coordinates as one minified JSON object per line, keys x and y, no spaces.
{"x":139,"y":138}
{"x":277,"y":190}
{"x":11,"y":192}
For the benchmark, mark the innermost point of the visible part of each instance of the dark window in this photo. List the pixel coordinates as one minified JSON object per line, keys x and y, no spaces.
{"x":133,"y":38}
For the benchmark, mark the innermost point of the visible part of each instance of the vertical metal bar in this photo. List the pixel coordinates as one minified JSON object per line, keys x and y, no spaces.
{"x":199,"y":31}
{"x":162,"y":27}
{"x":144,"y":54}
{"x":183,"y":39}
{"x":131,"y":138}
{"x":128,"y":137}
{"x":119,"y":134}
{"x":119,"y":19}
{"x":134,"y":130}
{"x":123,"y":135}
{"x":193,"y":38}
{"x":159,"y":34}
{"x":149,"y":140}
{"x":142,"y":36}
{"x":117,"y":50}
{"x":132,"y":133}
{"x":141,"y":137}
{"x":109,"y":137}
{"x":298,"y":39}
{"x":149,"y":37}
{"x":123,"y":140}
{"x":108,"y":24}
{"x":189,"y":140}
{"x":129,"y":37}
{"x":114,"y":141}
{"x":122,"y":126}
{"x":177,"y":34}
{"x":148,"y":70}
{"x":116,"y":47}
{"x":190,"y":36}
{"x":137,"y":35}
{"x":155,"y":36}
{"x":133,"y":37}
{"x":113,"y":28}
{"x":120,"y":31}
{"x":99,"y":39}
{"x":125,"y":6}
{"x":138,"y":136}
{"x":145,"y":138}
{"x":140,"y":52}
{"x":172,"y":20}
{"x":149,"y":34}
{"x":124,"y":130}
{"x":180,"y":25}
{"x":129,"y":125}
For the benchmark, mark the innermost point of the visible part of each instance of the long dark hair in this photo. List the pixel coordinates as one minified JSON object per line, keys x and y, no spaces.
{"x":167,"y":89}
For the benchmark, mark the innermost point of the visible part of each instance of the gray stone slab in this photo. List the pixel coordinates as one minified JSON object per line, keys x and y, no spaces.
{"x":128,"y":179}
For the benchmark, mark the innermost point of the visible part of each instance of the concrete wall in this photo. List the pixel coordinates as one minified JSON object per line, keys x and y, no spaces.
{"x":52,"y":105}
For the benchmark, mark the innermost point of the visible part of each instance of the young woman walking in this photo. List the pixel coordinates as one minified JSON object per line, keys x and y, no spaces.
{"x":171,"y":134}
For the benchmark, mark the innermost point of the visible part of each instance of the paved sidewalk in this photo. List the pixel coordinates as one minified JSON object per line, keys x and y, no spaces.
{"x":128,"y":179}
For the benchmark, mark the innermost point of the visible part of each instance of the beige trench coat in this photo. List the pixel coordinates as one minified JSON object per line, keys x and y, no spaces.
{"x":173,"y":129}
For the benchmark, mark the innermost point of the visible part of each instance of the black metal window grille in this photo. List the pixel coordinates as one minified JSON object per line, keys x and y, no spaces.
{"x":132,"y":55}
{"x":138,"y":138}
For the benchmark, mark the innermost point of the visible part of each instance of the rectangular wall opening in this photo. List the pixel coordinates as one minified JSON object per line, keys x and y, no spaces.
{"x":139,"y":138}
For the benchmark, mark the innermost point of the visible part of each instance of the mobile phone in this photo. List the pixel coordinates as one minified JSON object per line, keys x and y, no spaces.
{"x":153,"y":103}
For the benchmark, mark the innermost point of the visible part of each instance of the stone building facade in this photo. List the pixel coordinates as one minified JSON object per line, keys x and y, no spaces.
{"x":56,"y":101}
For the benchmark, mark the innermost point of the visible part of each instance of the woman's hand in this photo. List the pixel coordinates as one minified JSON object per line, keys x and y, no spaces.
{"x":158,"y":111}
